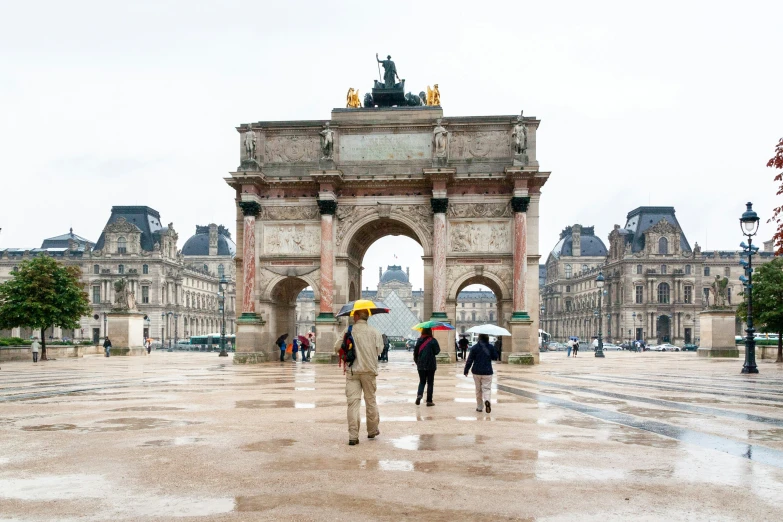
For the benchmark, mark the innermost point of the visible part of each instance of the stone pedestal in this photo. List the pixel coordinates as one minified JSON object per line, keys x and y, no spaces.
{"x":126,"y":332}
{"x":520,"y":351}
{"x":327,"y":330}
{"x":253,"y":344}
{"x":717,"y":334}
{"x":445,"y":340}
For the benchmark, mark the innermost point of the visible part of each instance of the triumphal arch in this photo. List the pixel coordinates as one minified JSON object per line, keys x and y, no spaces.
{"x":313,"y":195}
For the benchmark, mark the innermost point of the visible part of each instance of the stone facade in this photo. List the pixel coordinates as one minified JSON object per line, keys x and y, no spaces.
{"x":656,"y":284}
{"x":177,"y":293}
{"x":306,"y":216}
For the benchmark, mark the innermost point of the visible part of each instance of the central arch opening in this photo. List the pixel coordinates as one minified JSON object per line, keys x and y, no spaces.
{"x":385,"y":260}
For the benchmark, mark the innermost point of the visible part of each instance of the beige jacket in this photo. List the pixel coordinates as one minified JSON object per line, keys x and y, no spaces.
{"x":369,"y":345}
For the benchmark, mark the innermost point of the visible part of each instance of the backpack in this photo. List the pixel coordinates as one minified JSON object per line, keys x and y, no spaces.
{"x":347,"y":354}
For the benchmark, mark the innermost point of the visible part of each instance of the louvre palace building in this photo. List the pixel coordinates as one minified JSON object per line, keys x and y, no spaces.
{"x":656,"y":283}
{"x":177,"y":290}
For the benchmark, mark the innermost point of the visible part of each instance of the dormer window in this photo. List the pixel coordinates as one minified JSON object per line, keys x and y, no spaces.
{"x":663,"y":246}
{"x":122,"y":245}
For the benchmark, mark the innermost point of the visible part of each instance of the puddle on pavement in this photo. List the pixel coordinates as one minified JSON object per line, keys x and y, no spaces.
{"x":653,"y":473}
{"x":284,"y":403}
{"x":577,"y":422}
{"x":393,"y":400}
{"x":148,"y":408}
{"x":693,"y":400}
{"x":656,"y":414}
{"x":177,"y":441}
{"x":643,"y":438}
{"x":53,"y":487}
{"x":432,"y":442}
{"x":268,"y":446}
{"x":522,"y":454}
{"x":596,"y":400}
{"x":50,"y":427}
{"x":139,"y":423}
{"x":304,"y":389}
{"x":766,"y":435}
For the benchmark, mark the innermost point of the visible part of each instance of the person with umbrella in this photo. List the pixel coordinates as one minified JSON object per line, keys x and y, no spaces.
{"x":424,"y":353}
{"x":280,"y":343}
{"x":304,"y":342}
{"x":480,"y":362}
{"x":366,"y":344}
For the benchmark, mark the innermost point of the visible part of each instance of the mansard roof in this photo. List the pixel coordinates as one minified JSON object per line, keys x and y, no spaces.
{"x":641,"y":219}
{"x":591,"y":245}
{"x":145,"y":218}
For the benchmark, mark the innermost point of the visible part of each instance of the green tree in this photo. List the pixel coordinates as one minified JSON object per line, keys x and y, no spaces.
{"x":43,"y":293}
{"x":768,"y":300}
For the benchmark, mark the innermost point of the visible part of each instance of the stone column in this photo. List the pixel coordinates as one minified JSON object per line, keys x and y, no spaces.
{"x":521,"y":324}
{"x":250,"y":335}
{"x":326,"y":325}
{"x":328,"y":209}
{"x":439,"y":207}
{"x":250,"y":209}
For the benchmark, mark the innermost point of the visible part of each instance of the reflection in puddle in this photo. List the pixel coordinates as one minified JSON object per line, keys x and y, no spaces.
{"x":144,"y":423}
{"x":656,"y":414}
{"x":284,"y":403}
{"x":432,"y":442}
{"x":767,"y":435}
{"x":305,"y":405}
{"x":53,"y":487}
{"x":177,"y":441}
{"x":643,"y":438}
{"x":50,"y":427}
{"x":269,"y":446}
{"x":303,"y":389}
{"x":596,"y":400}
{"x":149,"y":408}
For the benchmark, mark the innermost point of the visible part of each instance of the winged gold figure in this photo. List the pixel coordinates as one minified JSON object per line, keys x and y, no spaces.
{"x":352,"y":99}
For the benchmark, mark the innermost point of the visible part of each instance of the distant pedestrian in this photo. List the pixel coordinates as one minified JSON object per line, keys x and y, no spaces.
{"x":424,"y":353}
{"x":107,"y":346}
{"x":385,"y":354}
{"x":480,"y":361}
{"x":294,"y":349}
{"x":569,"y":347}
{"x":463,"y":346}
{"x":35,"y":348}
{"x":576,"y":347}
{"x":280,"y":343}
{"x":499,"y":349}
{"x":149,"y":345}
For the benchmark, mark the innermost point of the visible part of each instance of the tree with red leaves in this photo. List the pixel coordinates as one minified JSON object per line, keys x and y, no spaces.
{"x":776,"y":162}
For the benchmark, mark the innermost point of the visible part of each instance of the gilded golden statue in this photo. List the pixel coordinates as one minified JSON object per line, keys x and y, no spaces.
{"x":433,"y":96}
{"x":352,"y":99}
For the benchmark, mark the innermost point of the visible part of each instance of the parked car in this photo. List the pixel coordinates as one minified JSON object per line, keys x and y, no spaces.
{"x":553,"y":346}
{"x":612,"y":346}
{"x":690,"y":348}
{"x":665,"y":347}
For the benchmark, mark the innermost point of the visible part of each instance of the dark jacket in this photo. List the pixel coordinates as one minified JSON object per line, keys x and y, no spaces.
{"x":107,"y":343}
{"x":426,"y":359}
{"x":480,"y":357}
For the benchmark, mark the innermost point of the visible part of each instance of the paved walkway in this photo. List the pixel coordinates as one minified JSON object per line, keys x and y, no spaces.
{"x":654,"y":436}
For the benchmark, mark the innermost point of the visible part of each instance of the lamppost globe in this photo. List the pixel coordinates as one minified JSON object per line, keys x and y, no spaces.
{"x":599,"y":281}
{"x":749,"y":221}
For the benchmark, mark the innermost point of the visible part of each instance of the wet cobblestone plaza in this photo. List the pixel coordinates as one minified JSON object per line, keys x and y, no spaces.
{"x":658,"y":436}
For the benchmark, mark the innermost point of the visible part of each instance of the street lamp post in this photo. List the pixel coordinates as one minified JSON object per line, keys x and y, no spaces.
{"x":222,"y":303}
{"x":541,"y":327}
{"x":749,"y":222}
{"x":599,"y":283}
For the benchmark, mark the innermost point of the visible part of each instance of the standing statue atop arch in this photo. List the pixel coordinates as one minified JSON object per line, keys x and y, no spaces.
{"x":250,"y":144}
{"x":520,"y":136}
{"x":327,"y":142}
{"x":441,"y":138}
{"x":389,"y":71}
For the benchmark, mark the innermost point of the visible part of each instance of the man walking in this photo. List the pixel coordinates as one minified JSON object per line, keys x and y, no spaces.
{"x":35,"y":348}
{"x":360,"y":376}
{"x":570,"y":346}
{"x":107,"y":346}
{"x":480,"y":358}
{"x":463,"y":347}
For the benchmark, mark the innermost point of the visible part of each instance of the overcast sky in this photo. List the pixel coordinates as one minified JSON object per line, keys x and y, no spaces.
{"x":134,"y":103}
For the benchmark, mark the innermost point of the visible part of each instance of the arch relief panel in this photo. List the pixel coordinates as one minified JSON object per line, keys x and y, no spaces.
{"x":494,"y":237}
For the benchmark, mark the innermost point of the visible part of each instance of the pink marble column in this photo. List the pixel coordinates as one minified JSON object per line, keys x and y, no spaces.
{"x":327,"y":207}
{"x":250,"y":211}
{"x":439,"y":207}
{"x":519,"y":205}
{"x":327,"y":265}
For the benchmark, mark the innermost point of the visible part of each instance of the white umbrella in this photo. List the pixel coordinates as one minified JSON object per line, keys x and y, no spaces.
{"x":489,"y":329}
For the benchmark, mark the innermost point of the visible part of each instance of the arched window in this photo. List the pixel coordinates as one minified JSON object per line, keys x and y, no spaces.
{"x":663,"y":293}
{"x":568,"y":271}
{"x":96,"y":269}
{"x":687,"y":269}
{"x":663,"y":246}
{"x":206,"y":268}
{"x":145,"y":269}
{"x":222,"y":272}
{"x":121,"y":245}
{"x":706,"y":271}
{"x":121,"y":269}
{"x":584,"y":268}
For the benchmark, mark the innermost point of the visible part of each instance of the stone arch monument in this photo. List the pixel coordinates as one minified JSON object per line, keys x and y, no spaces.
{"x":312,"y":196}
